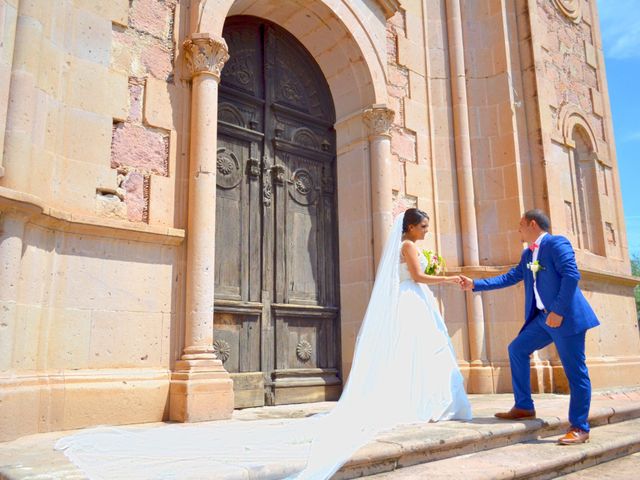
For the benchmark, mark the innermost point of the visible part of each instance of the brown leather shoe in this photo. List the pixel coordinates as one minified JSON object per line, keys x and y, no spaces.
{"x":574,"y":436}
{"x":516,"y":414}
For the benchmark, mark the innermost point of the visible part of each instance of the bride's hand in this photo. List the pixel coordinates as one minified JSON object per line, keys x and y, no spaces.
{"x":454,"y":280}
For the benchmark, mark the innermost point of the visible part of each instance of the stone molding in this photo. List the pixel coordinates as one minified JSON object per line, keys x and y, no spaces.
{"x":379,"y":119}
{"x":389,"y":7}
{"x":572,"y":9}
{"x":205,"y":54}
{"x":568,"y":117}
{"x":46,"y":216}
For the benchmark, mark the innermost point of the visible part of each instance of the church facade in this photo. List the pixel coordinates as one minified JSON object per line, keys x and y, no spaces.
{"x":194,"y":193}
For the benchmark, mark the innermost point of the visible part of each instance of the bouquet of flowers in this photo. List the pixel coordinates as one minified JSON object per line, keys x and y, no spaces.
{"x":435,"y":263}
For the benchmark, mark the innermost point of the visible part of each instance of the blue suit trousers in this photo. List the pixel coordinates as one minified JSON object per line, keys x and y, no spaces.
{"x":536,"y":335}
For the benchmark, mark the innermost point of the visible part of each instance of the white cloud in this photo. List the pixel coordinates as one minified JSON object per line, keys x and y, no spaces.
{"x":620,"y":24}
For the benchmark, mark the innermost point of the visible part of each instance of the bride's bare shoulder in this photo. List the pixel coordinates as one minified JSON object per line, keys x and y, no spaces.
{"x":408,"y":246}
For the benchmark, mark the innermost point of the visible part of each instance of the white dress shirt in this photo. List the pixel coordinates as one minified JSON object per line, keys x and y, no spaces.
{"x":539,"y":303}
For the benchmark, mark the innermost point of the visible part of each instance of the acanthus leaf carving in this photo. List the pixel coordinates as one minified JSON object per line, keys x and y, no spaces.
{"x":206,"y":54}
{"x":379,"y":119}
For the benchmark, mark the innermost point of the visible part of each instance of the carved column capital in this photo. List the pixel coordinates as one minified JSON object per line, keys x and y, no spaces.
{"x":205,"y":54}
{"x":379,"y":119}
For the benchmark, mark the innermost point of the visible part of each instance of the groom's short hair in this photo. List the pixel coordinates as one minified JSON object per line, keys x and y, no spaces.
{"x":540,"y":217}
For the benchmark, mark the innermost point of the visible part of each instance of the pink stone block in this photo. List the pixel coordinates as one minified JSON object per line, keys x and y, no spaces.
{"x":136,"y":198}
{"x":136,"y":90}
{"x":403,"y":145}
{"x":152,"y":16}
{"x":158,"y":60}
{"x":141,"y":148}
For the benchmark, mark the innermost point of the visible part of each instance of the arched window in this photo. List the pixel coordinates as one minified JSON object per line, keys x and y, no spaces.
{"x":589,"y":228}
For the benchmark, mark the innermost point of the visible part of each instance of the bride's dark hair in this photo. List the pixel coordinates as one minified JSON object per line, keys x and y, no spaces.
{"x":412,"y":216}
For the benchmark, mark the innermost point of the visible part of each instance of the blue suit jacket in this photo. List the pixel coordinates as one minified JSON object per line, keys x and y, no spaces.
{"x":557,"y":284}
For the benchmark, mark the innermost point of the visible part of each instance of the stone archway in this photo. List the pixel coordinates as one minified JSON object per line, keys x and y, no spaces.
{"x":345,"y":41}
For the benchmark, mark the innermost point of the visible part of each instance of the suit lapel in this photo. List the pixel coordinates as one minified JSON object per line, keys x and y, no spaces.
{"x":543,"y":247}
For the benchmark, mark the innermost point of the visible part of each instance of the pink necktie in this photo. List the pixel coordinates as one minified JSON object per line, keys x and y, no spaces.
{"x":533,"y":246}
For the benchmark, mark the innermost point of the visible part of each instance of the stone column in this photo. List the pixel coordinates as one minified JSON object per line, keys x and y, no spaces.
{"x":8,"y":37}
{"x":378,"y":119}
{"x":201,"y":388}
{"x":480,"y":376}
{"x":11,"y":234}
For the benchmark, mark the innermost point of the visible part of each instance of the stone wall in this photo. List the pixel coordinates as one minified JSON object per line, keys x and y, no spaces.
{"x":93,"y":181}
{"x":574,"y":107}
{"x":92,"y":271}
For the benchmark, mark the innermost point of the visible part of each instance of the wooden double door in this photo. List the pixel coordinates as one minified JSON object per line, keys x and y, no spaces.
{"x":276,"y":320}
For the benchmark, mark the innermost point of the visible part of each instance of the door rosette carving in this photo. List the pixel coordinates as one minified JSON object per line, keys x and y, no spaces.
{"x":303,"y":187}
{"x":222,"y":349}
{"x":229,"y":169}
{"x":304,"y":350}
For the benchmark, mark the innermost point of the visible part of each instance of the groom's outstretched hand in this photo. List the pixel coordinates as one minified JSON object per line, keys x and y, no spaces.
{"x":466,"y":283}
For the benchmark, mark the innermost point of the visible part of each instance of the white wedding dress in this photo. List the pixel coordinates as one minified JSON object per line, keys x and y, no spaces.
{"x":404,"y":371}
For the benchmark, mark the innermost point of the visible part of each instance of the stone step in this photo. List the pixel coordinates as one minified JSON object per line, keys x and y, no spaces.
{"x":396,"y":451}
{"x":535,"y":459}
{"x":414,"y":445}
{"x":624,"y":468}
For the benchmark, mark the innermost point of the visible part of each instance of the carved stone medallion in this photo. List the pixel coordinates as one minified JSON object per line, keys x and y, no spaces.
{"x":222,"y":349}
{"x":303,"y":188}
{"x":304,"y":350}
{"x":572,"y":9}
{"x":229,"y":169}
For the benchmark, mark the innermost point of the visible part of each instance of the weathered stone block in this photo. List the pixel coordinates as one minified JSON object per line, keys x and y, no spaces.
{"x":411,"y":55}
{"x":161,"y":105}
{"x":115,"y":10}
{"x":590,"y":54}
{"x":415,"y":115}
{"x":158,"y":60}
{"x":162,"y":200}
{"x":91,"y":35}
{"x":403,"y":145}
{"x":596,"y":102}
{"x":152,"y":16}
{"x":141,"y":148}
{"x":87,"y":136}
{"x":418,"y":180}
{"x":136,"y":197}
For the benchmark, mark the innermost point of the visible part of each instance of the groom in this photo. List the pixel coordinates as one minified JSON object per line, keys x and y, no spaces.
{"x":555,"y":311}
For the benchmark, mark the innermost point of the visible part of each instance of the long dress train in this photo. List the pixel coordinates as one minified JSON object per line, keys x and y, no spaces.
{"x":404,"y":371}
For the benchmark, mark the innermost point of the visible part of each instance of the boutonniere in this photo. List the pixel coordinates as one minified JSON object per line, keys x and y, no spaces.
{"x":435,"y":263}
{"x":535,"y":267}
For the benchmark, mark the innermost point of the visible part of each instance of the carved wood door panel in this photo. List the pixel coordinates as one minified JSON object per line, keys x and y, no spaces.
{"x":276,"y":321}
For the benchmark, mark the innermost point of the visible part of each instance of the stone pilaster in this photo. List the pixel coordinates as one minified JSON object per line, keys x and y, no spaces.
{"x":201,"y":388}
{"x":480,"y":376}
{"x":379,"y":119}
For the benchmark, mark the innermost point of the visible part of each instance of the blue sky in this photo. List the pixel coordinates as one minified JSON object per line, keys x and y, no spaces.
{"x":620,"y":24}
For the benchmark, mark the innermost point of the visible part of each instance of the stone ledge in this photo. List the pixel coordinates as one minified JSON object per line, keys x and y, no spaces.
{"x":44,"y":401}
{"x":49,"y":217}
{"x":587,"y":274}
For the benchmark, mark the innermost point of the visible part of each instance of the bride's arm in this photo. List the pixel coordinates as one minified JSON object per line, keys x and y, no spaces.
{"x":410,"y":254}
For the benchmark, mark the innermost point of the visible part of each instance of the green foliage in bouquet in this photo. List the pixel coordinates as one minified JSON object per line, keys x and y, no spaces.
{"x":435,"y":263}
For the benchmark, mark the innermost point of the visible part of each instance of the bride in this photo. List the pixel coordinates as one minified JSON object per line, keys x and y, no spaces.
{"x":404,"y":371}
